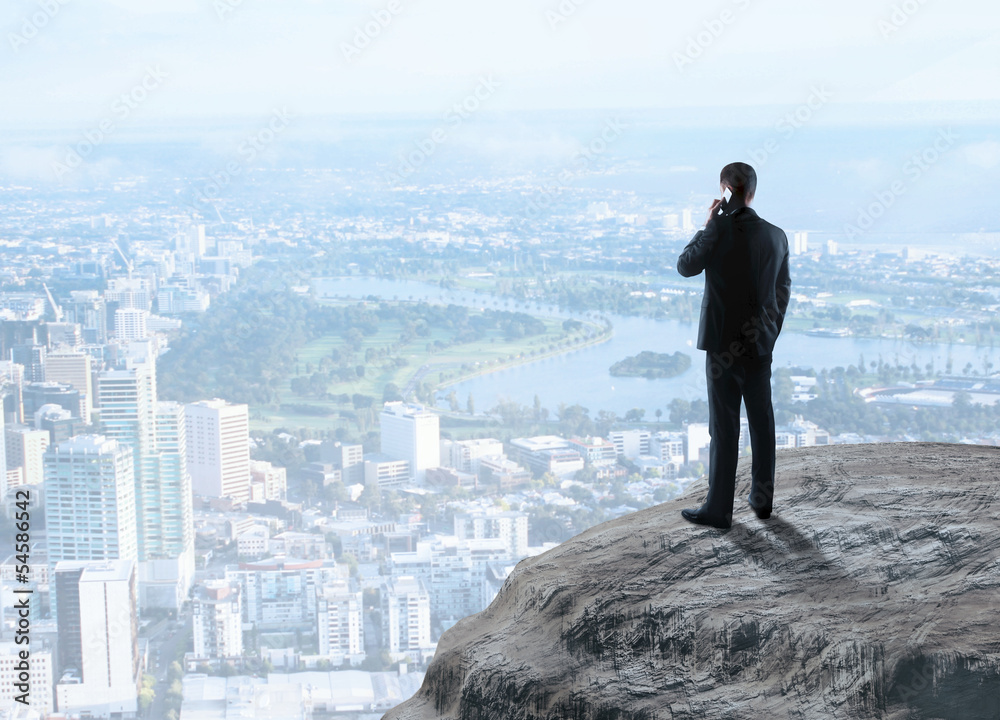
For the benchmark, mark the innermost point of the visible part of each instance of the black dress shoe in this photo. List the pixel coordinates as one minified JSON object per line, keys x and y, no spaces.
{"x":762,"y":513}
{"x":700,"y":517}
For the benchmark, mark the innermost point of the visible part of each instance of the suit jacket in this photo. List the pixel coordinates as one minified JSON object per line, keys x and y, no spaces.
{"x":747,"y":285}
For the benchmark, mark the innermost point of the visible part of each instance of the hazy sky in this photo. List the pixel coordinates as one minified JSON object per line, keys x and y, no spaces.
{"x":69,"y":64}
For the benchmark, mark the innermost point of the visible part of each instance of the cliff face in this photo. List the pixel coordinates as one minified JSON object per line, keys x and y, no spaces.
{"x":872,"y":592}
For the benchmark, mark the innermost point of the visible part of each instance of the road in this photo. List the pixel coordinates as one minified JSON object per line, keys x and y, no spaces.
{"x":164,"y":646}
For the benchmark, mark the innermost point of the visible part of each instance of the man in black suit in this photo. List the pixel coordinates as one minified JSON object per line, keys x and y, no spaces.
{"x":747,"y":288}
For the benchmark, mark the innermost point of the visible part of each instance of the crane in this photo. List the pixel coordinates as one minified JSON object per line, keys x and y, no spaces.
{"x":128,"y":263}
{"x":52,"y":301}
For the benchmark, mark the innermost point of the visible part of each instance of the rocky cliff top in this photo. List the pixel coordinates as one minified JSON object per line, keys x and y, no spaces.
{"x":872,"y":592}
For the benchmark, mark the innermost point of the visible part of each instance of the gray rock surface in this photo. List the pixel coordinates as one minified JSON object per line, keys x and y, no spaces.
{"x":872,"y":592}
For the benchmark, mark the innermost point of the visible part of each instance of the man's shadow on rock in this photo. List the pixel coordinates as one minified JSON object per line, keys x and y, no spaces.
{"x":781,"y":545}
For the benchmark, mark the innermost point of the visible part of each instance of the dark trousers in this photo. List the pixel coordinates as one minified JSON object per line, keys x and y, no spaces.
{"x":731,"y":380}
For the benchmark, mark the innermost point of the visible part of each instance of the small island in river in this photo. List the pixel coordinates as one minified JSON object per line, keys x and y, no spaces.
{"x":652,"y":365}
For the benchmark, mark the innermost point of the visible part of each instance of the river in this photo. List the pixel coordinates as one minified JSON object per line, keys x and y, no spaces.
{"x":581,"y":376}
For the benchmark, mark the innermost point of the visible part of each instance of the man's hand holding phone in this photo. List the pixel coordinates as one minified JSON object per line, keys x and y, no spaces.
{"x":718,"y":205}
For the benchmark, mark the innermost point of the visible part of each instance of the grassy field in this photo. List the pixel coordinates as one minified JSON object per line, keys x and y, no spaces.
{"x":448,"y":364}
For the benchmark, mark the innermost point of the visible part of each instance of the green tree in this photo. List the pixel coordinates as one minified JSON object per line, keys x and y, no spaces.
{"x":146,"y":696}
{"x":679,"y":410}
{"x":175,"y":672}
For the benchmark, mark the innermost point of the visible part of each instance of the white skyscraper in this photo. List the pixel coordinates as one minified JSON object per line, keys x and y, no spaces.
{"x":3,"y":445}
{"x":217,"y":614}
{"x":698,"y":437}
{"x":155,"y":432}
{"x":90,"y":500}
{"x":166,"y":535}
{"x":168,"y":504}
{"x":130,"y":324}
{"x":511,"y":527}
{"x":73,"y":368}
{"x":25,"y":450}
{"x":98,"y":637}
{"x":126,"y":398}
{"x":406,"y":615}
{"x":129,"y":293}
{"x":688,"y":221}
{"x":411,"y":433}
{"x":194,"y":240}
{"x":800,"y":243}
{"x":218,"y":449}
{"x":339,"y":624}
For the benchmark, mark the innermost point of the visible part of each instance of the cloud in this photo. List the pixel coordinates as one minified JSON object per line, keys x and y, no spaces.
{"x":985,"y":154}
{"x":21,"y":162}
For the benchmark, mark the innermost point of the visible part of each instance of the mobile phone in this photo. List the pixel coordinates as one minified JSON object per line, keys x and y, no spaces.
{"x":727,"y":196}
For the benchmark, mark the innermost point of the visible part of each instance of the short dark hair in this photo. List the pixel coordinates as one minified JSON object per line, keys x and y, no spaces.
{"x":741,"y":178}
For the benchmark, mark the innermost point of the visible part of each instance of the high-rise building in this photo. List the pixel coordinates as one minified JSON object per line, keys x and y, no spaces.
{"x":12,"y":391}
{"x":347,"y":458}
{"x":668,"y":447}
{"x":800,"y":243}
{"x":90,"y":500}
{"x":39,"y":678}
{"x":25,"y":450}
{"x":98,"y":637}
{"x":510,"y":526}
{"x":130,"y":324}
{"x":340,"y":623}
{"x":63,"y":335}
{"x":32,"y":358}
{"x":218,"y":449}
{"x":5,"y":479}
{"x":280,"y":592}
{"x":411,"y":433}
{"x":688,"y":220}
{"x":58,"y":422}
{"x":86,"y":307}
{"x":630,"y":443}
{"x":73,"y":368}
{"x":38,"y":394}
{"x":126,"y":399}
{"x":217,"y":614}
{"x":193,"y":241}
{"x":452,"y":570}
{"x":168,"y":527}
{"x":166,"y":568}
{"x":132,"y":293}
{"x":267,"y":482}
{"x":156,"y":434}
{"x":406,"y":616}
{"x":464,"y":455}
{"x":698,"y":438}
